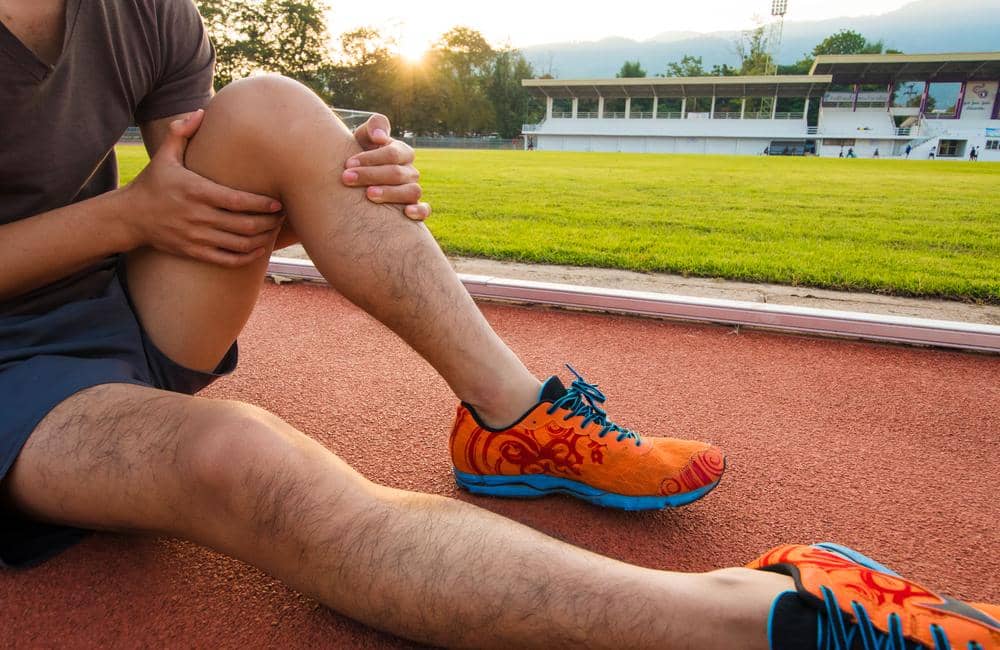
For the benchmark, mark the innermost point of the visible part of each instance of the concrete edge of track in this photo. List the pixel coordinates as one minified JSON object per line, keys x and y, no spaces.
{"x":787,"y":318}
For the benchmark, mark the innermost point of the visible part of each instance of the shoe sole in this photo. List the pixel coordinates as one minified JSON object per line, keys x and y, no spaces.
{"x":536,"y":486}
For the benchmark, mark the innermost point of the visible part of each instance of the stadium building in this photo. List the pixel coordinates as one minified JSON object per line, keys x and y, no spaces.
{"x":936,"y":104}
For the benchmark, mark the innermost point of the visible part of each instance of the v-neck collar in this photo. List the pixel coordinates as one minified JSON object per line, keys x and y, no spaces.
{"x":26,"y":58}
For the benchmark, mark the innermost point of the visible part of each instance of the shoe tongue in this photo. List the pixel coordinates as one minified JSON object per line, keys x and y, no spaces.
{"x":552,"y":390}
{"x":794,"y":625}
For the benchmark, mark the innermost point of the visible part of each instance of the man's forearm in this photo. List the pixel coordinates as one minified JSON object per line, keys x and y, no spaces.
{"x":52,"y":245}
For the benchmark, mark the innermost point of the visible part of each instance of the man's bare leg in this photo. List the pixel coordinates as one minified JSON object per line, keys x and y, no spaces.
{"x":273,"y":136}
{"x":239,"y":480}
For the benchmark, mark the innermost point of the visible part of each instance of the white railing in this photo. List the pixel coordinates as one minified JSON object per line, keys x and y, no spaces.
{"x":812,"y":130}
{"x":530,"y":128}
{"x":905,"y":131}
{"x":727,"y":115}
{"x":561,"y":115}
{"x":588,"y":115}
{"x":779,"y":115}
{"x":641,"y":115}
{"x":668,"y":115}
{"x":614,"y":115}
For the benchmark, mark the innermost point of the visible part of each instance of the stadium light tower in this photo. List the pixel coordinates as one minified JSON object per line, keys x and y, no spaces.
{"x":778,"y":10}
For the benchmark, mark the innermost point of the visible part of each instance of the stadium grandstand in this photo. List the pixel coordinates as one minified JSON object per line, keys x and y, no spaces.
{"x":899,"y":105}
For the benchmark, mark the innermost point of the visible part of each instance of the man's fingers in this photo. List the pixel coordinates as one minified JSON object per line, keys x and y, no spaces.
{"x":220,"y":196}
{"x":397,"y":153}
{"x":418,"y":211}
{"x":246,"y":225}
{"x":225,"y":258}
{"x":401,"y":194}
{"x":188,"y":125}
{"x":383,"y":175}
{"x":374,"y":133}
{"x":239,"y":244}
{"x":178,"y":134}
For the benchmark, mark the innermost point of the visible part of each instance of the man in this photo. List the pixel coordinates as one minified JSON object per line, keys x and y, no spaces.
{"x":120,"y":303}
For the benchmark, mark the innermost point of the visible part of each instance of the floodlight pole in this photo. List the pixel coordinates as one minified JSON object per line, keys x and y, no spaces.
{"x":778,"y":10}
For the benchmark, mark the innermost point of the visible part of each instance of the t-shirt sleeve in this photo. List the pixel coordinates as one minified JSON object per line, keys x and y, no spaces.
{"x":184,"y":62}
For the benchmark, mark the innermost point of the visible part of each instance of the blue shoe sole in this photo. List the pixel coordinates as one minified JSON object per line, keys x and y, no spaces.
{"x":854,"y":556}
{"x":534,"y":486}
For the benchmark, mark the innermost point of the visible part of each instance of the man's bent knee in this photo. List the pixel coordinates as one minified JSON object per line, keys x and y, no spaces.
{"x":273,"y":114}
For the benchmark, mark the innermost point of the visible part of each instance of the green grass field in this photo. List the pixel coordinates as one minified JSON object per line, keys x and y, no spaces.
{"x":919,"y":228}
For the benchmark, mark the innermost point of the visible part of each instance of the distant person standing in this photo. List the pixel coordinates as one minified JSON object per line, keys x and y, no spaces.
{"x":974,"y":154}
{"x":841,"y":155}
{"x":875,"y":155}
{"x":850,"y":153}
{"x":931,"y":154}
{"x":908,"y":150}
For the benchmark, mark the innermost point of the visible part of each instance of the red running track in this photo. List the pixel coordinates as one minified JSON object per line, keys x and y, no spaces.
{"x":889,"y":449}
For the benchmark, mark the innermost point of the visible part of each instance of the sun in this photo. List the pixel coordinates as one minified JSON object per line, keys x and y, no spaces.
{"x":412,"y":49}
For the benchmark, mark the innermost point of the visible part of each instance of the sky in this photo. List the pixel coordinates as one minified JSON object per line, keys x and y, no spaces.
{"x":417,"y":23}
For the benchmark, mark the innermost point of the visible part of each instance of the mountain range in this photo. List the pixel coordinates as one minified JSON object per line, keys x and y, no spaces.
{"x":923,"y":26}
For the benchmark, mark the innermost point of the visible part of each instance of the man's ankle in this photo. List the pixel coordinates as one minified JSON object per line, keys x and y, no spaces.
{"x":743,"y":599}
{"x":505,"y":407}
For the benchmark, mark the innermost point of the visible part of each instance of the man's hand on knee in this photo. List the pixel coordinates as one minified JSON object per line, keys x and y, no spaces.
{"x":176,"y":211}
{"x":386,"y":169}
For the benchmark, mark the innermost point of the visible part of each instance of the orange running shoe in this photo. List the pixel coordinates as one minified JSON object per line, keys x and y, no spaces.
{"x":846,"y":601}
{"x":566,"y":445}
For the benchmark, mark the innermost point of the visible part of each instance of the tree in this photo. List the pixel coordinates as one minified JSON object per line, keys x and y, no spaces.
{"x":691,"y":66}
{"x":509,"y":98}
{"x":630,"y":69}
{"x":723,"y":70}
{"x":284,"y":36}
{"x":752,"y":48}
{"x":364,"y":75}
{"x":462,"y":61}
{"x":847,"y":41}
{"x":688,"y":66}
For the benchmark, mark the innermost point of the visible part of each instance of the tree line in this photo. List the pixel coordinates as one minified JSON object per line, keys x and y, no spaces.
{"x":463,"y":85}
{"x":753,"y":50}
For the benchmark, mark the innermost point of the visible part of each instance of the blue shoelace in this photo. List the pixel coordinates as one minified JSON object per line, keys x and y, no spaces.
{"x":840,"y":633}
{"x":582,"y":398}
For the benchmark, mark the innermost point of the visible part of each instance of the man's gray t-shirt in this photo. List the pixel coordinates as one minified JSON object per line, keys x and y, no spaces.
{"x":123,"y":62}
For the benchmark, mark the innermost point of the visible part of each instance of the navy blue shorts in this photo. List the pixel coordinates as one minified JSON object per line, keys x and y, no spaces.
{"x":78,"y":334}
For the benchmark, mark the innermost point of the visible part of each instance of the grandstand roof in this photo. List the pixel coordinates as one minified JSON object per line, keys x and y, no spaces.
{"x":783,"y":86}
{"x":885,"y":68}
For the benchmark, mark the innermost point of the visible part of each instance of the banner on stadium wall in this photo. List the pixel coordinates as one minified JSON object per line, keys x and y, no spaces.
{"x":979,"y":99}
{"x":993,"y":133}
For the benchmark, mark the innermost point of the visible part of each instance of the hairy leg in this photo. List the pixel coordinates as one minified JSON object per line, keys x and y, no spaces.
{"x":273,"y":136}
{"x":240,"y":480}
